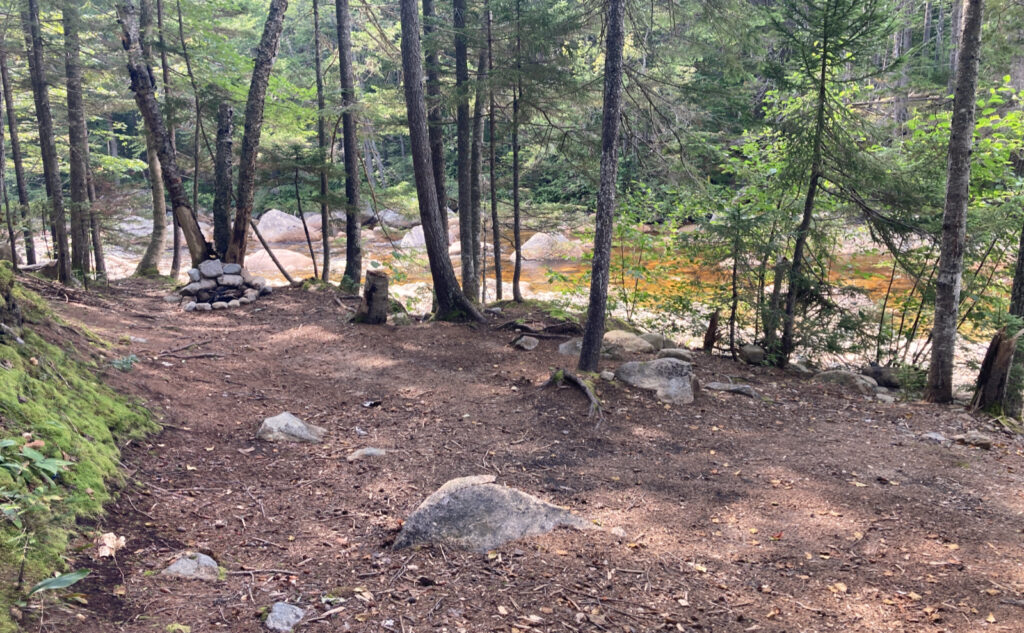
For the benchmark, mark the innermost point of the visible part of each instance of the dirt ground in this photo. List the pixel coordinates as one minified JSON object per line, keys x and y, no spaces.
{"x":807,"y":510}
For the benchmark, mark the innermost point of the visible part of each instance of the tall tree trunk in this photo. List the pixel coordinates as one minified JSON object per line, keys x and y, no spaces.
{"x":434,"y":121}
{"x":11,"y":235}
{"x":222,"y":180}
{"x":954,"y":217}
{"x":166,"y":78}
{"x":51,"y":168}
{"x":956,"y":31}
{"x":797,"y":284}
{"x":353,"y":243}
{"x":476,"y":167}
{"x":464,"y":140}
{"x":517,"y":234}
{"x":265,"y":54}
{"x":19,"y":169}
{"x":321,"y":142}
{"x":593,"y":333}
{"x":149,"y":265}
{"x":78,"y":141}
{"x":495,"y":227}
{"x":142,"y":84}
{"x":452,"y":304}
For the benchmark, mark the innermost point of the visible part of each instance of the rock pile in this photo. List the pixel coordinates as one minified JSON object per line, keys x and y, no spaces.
{"x":216,"y":286}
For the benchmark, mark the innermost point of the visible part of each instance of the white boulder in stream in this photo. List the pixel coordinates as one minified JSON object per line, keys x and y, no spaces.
{"x":285,"y":427}
{"x":670,"y":378}
{"x":476,"y":514}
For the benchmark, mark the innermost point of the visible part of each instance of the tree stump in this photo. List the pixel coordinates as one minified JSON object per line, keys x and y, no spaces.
{"x":990,"y":389}
{"x":374,"y":307}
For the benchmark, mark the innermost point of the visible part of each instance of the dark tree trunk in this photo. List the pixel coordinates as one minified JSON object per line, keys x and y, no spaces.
{"x":954,"y":217}
{"x":495,"y":228}
{"x":593,"y":334}
{"x":143,"y":85}
{"x":464,"y":140}
{"x":452,"y":304}
{"x":149,"y":265}
{"x":373,"y":309}
{"x":476,"y":167}
{"x":265,"y":54}
{"x":166,"y":77}
{"x":993,"y":376}
{"x":517,"y":234}
{"x":78,"y":141}
{"x":222,"y":180}
{"x":353,"y":243}
{"x":51,"y":168}
{"x":19,"y":169}
{"x":434,"y":121}
{"x":321,"y":141}
{"x":11,"y":235}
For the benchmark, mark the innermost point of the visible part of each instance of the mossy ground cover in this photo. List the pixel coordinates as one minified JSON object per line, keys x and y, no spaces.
{"x":51,"y":397}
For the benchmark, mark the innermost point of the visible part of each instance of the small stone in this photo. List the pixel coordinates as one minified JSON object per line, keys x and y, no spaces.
{"x":974,"y":438}
{"x":219,"y":305}
{"x":258,"y":283}
{"x":203,"y":307}
{"x":496,"y":311}
{"x":232,"y":269}
{"x":743,"y":390}
{"x":676,"y":352}
{"x":245,"y":301}
{"x":658,"y":341}
{"x":283,"y":617}
{"x":196,"y":287}
{"x":607,"y":375}
{"x":193,"y":566}
{"x":752,"y":354}
{"x":934,"y":436}
{"x":211,"y":269}
{"x":798,"y":368}
{"x":885,"y":398}
{"x":363,"y":453}
{"x":527,"y":343}
{"x":190,"y":306}
{"x":285,"y":427}
{"x":266,"y":290}
{"x":571,"y":347}
{"x":234,"y":303}
{"x":251,"y":293}
{"x":172,"y":298}
{"x":194,"y":275}
{"x":230,"y":281}
{"x":618,"y":531}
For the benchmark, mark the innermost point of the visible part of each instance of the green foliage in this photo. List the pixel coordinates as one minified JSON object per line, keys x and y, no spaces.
{"x":125,"y":363}
{"x":62,"y":581}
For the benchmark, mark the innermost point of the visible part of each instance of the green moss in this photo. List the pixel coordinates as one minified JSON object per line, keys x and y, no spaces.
{"x":47,"y":393}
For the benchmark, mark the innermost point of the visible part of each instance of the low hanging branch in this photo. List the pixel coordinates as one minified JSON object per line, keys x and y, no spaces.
{"x":143,"y":85}
{"x":561,"y":376}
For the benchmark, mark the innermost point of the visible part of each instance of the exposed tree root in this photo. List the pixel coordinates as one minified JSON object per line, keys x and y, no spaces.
{"x":561,"y":376}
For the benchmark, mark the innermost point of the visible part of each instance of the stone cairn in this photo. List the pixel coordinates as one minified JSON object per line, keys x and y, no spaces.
{"x":218,"y":286}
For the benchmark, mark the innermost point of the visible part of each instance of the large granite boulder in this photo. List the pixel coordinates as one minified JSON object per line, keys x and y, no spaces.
{"x":848,"y":380}
{"x":629,"y":343}
{"x":671,"y":379}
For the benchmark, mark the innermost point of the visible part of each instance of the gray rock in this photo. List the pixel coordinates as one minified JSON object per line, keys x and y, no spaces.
{"x":495,"y":310}
{"x":219,"y":305}
{"x":670,"y":378}
{"x":974,"y":438}
{"x":211,"y":268}
{"x":197,"y":286}
{"x":743,"y":390}
{"x":607,"y":375}
{"x":885,"y":398}
{"x":676,"y":352}
{"x":231,"y":281}
{"x":190,"y":306}
{"x":203,"y":307}
{"x":232,"y":269}
{"x":752,"y":354}
{"x":571,"y":347}
{"x":285,"y":427}
{"x":234,"y":303}
{"x":848,"y":380}
{"x":193,"y":274}
{"x":657,"y":341}
{"x":884,"y":376}
{"x":193,"y":566}
{"x":283,"y":617}
{"x":363,"y":453}
{"x":414,"y":238}
{"x":476,"y":514}
{"x":172,"y":298}
{"x":245,"y":301}
{"x":934,"y":436}
{"x":266,"y":290}
{"x":527,"y":343}
{"x":798,"y":368}
{"x":252,"y":294}
{"x":629,"y":342}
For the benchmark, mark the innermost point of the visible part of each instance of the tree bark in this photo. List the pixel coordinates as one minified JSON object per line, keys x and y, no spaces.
{"x":19,"y":169}
{"x":476,"y":167}
{"x":373,"y":309}
{"x":593,"y":333}
{"x":954,"y":217}
{"x":321,"y":141}
{"x":463,"y":142}
{"x":434,"y":121}
{"x":143,"y":85}
{"x":222,"y":180}
{"x":166,"y":78}
{"x":353,"y":241}
{"x":993,"y":376}
{"x":265,"y":54}
{"x":149,"y":265}
{"x":495,"y":228}
{"x":51,"y":168}
{"x":11,"y":235}
{"x":452,"y":304}
{"x":78,"y":141}
{"x":517,"y":234}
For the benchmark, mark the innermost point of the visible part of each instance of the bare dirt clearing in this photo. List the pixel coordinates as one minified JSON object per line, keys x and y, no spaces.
{"x":806,"y":510}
